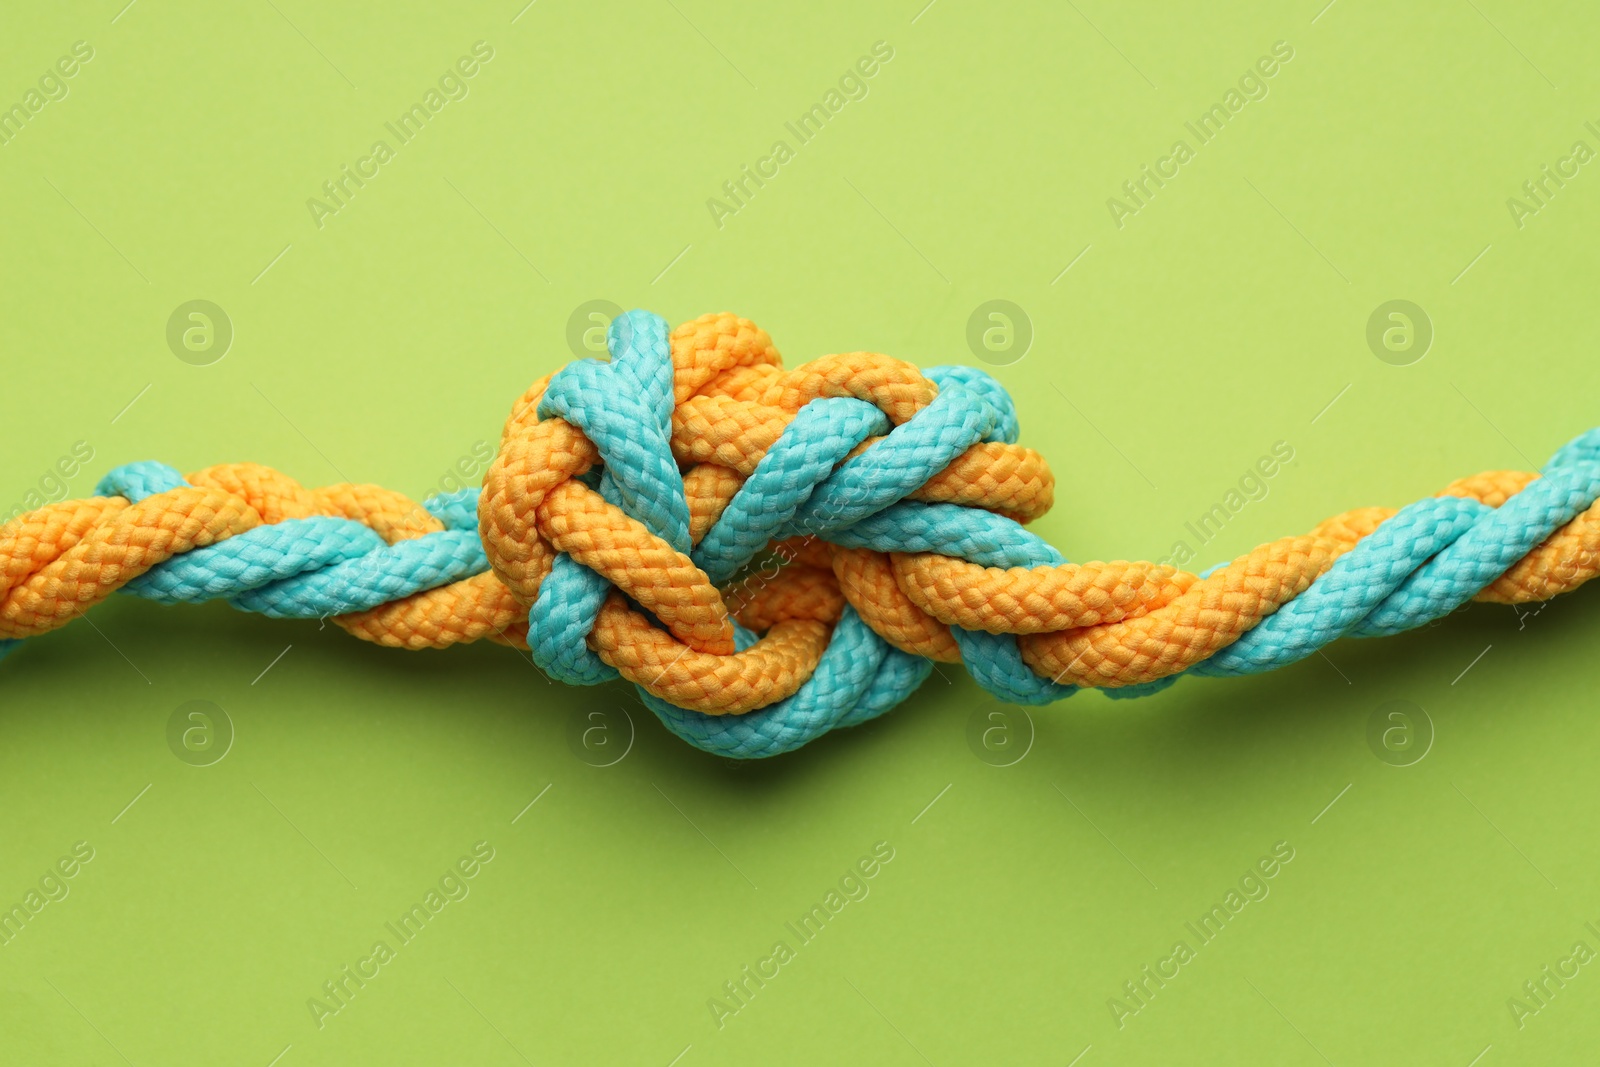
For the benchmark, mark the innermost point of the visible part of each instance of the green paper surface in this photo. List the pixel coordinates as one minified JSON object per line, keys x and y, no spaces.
{"x":1424,"y":803}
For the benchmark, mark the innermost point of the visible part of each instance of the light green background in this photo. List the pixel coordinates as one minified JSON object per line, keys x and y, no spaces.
{"x":1226,"y":316}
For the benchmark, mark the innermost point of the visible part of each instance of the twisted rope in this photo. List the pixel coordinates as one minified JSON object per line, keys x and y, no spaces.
{"x":770,"y":554}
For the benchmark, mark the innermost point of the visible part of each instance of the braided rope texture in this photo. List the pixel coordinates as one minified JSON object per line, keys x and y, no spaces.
{"x":770,"y":554}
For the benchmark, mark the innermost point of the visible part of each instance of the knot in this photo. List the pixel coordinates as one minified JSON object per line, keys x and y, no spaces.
{"x":628,"y":494}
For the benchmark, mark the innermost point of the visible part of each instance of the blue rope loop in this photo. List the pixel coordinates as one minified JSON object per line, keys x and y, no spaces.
{"x":1418,"y":566}
{"x":805,"y":484}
